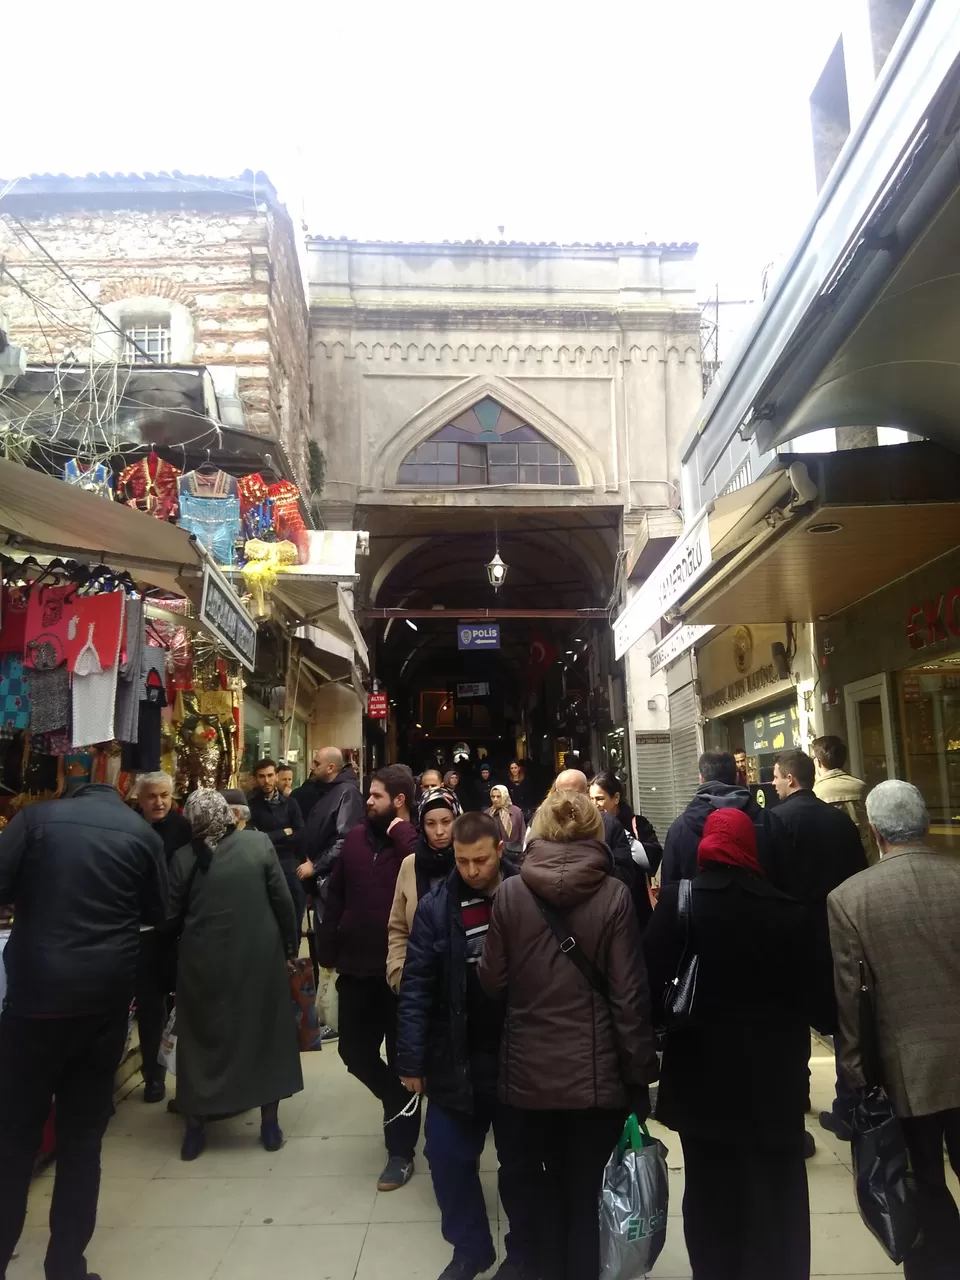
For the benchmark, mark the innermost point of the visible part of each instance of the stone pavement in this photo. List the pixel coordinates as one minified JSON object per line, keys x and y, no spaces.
{"x":312,"y":1209}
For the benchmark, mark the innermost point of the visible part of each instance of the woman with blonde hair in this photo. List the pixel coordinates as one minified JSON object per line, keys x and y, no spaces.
{"x":577,"y":1052}
{"x":509,"y":820}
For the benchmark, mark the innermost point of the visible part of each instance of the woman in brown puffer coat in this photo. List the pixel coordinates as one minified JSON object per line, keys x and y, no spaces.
{"x":577,"y":1052}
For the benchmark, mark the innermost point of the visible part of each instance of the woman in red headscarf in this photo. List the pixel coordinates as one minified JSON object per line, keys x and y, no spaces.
{"x":734,"y":1080}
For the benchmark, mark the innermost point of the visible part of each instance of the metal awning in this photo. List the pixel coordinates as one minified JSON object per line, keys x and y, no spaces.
{"x":878,"y":514}
{"x":42,"y":514}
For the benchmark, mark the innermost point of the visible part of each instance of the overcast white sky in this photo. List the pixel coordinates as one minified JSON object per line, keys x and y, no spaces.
{"x":617,"y":120}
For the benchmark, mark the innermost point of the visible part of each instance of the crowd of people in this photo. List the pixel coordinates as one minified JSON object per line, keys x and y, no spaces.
{"x":500,"y":965}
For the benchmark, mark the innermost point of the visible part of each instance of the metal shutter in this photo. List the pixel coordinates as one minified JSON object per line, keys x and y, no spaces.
{"x":685,"y":744}
{"x":654,"y":789}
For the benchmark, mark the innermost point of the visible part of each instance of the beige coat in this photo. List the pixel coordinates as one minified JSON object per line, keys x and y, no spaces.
{"x":902,"y":918}
{"x":401,"y":920}
{"x":844,"y":791}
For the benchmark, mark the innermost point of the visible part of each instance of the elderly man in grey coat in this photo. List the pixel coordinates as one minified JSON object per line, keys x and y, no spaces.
{"x":902,"y":919}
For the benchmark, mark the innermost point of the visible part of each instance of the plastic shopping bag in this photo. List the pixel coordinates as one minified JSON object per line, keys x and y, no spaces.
{"x":633,"y":1204}
{"x":885,"y":1192}
{"x":303,"y":993}
{"x":167,"y":1057}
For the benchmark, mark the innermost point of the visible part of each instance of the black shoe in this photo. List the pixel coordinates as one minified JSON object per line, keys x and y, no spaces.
{"x":833,"y":1124}
{"x":328,"y":1035}
{"x":517,"y":1271}
{"x":467,"y":1270}
{"x":154,"y":1091}
{"x":809,"y":1145}
{"x":397,"y":1172}
{"x":271,"y":1135}
{"x":194,"y":1142}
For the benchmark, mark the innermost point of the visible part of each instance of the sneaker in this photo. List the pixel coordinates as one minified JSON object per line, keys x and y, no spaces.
{"x":830,"y":1121}
{"x":194,"y":1142}
{"x":467,"y":1270}
{"x":809,"y":1145}
{"x":154,"y":1091}
{"x":271,"y":1136}
{"x":327,"y":1034}
{"x":397,"y":1172}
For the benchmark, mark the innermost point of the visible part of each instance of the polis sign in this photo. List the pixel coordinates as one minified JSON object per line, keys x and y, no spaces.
{"x":683,"y":565}
{"x":478,"y":635}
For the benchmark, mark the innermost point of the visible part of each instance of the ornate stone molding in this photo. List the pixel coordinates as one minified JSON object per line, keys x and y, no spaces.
{"x":568,"y":355}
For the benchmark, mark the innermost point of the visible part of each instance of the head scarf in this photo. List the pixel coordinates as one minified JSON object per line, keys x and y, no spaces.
{"x":729,"y":839}
{"x":209,"y":815}
{"x":438,"y":798}
{"x":502,"y":812}
{"x":431,"y":862}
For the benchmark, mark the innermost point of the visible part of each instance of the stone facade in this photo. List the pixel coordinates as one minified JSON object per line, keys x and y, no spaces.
{"x":220,"y":257}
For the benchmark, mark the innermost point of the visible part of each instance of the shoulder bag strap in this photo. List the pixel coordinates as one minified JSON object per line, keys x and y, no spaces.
{"x":571,"y":947}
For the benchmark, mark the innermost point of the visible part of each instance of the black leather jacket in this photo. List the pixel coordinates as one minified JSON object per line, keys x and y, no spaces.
{"x":82,"y":874}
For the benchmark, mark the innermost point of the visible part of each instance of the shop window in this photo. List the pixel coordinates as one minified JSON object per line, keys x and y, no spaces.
{"x":487,"y":445}
{"x":930,"y":720}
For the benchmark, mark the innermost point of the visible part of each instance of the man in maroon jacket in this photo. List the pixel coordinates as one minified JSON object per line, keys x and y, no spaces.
{"x":352,"y":938}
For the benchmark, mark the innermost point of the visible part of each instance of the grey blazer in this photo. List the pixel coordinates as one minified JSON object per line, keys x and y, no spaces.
{"x":902,"y":918}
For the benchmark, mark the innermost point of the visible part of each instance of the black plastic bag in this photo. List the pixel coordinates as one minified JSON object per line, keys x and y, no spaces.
{"x":884,"y":1186}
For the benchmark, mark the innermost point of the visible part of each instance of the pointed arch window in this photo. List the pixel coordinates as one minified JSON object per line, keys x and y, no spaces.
{"x":486,"y":445}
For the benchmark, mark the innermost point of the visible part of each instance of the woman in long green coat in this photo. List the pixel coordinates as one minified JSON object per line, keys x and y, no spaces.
{"x":237,"y":1044}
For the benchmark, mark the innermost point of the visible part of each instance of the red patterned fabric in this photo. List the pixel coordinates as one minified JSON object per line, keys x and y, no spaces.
{"x":253,"y":490}
{"x":150,"y":485}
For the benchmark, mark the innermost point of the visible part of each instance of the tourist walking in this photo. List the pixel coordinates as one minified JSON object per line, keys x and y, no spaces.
{"x":901,"y":921}
{"x":607,"y":792}
{"x":510,"y":822}
{"x":336,"y":806}
{"x":82,"y":874}
{"x":734,"y":1081}
{"x":841,"y":789}
{"x":448,"y":1045}
{"x":577,"y":1052}
{"x":237,"y":1042}
{"x":352,"y":938}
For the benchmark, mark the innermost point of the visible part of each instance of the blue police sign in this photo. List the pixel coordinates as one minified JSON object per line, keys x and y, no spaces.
{"x":478,"y":635}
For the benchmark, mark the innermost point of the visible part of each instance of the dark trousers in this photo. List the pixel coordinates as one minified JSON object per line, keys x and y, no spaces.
{"x":453,"y":1146}
{"x":367,"y":1018}
{"x":938,"y":1255}
{"x":565,"y":1153}
{"x":746,"y":1211}
{"x":153,"y":987}
{"x":297,"y":893}
{"x":76,"y":1059}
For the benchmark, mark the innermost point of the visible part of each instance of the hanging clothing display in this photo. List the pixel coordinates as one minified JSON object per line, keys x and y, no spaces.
{"x":59,"y":619}
{"x":14,"y":692}
{"x":95,"y":685}
{"x":96,"y":479}
{"x":209,"y":484}
{"x":150,"y":485}
{"x":13,"y":619}
{"x":210,"y":510}
{"x":50,"y":700}
{"x":128,"y":682}
{"x":288,"y":521}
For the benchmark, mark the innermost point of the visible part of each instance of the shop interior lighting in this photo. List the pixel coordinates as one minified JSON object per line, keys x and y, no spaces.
{"x":411,"y":624}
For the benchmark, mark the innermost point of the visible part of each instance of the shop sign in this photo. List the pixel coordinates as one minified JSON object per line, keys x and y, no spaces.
{"x":377,"y":706}
{"x":222,"y":612}
{"x":934,"y":620}
{"x":676,"y":643}
{"x":473,"y":690}
{"x":478,"y":635}
{"x":771,"y":731}
{"x":752,"y":683}
{"x":685,"y":563}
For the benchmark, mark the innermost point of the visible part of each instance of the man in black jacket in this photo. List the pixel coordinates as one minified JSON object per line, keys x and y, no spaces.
{"x":448,"y":1046}
{"x":821,"y":849}
{"x":82,"y":874}
{"x":279,"y":818}
{"x":718,"y":789}
{"x":617,"y":841}
{"x":332,"y":818}
{"x":157,"y":962}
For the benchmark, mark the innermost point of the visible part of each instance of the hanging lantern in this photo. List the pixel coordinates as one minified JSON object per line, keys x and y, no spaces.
{"x":497,"y":572}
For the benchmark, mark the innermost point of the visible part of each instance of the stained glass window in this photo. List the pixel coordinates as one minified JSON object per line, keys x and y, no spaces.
{"x":486,"y":445}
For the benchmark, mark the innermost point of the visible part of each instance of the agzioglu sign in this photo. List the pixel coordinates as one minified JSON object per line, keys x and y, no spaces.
{"x":686,"y":562}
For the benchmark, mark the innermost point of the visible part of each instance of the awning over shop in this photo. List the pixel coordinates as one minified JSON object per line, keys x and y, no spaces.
{"x":319,"y":593}
{"x":41,"y":514}
{"x":863,"y":518}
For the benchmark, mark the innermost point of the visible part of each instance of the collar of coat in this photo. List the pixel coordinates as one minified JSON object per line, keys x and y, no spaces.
{"x":910,"y":846}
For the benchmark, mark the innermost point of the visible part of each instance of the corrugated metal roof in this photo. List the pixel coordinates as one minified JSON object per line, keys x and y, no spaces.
{"x":247,"y":185}
{"x":683,"y":246}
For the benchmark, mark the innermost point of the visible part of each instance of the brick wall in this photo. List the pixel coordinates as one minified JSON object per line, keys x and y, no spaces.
{"x":235,"y":272}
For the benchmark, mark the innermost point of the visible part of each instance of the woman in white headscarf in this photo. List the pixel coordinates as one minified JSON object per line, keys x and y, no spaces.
{"x":510,"y":821}
{"x":237,"y":1045}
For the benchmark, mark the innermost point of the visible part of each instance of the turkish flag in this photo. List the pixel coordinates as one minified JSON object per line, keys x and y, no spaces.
{"x":542,"y":657}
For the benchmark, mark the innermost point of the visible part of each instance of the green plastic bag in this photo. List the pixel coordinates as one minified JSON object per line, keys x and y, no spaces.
{"x":634,"y":1200}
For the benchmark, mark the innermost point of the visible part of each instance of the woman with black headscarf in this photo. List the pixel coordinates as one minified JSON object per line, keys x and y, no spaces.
{"x":237,"y":1044}
{"x":430,"y":862}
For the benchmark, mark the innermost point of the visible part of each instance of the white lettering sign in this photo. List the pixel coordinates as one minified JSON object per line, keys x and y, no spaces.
{"x":677,"y":642}
{"x":685,"y":562}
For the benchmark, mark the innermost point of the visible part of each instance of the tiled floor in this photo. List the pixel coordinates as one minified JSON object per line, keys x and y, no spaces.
{"x":312,"y":1209}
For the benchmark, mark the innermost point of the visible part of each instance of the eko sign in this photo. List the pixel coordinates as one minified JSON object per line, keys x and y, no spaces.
{"x":478,"y":635}
{"x":686,"y":562}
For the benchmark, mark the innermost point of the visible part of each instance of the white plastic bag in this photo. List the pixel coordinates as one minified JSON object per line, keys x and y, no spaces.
{"x":633,"y":1205}
{"x":167,"y":1057}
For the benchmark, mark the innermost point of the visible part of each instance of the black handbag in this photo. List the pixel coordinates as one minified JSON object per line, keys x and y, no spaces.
{"x":885,"y":1191}
{"x":679,"y":999}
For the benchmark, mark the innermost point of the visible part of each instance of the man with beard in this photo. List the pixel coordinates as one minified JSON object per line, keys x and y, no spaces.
{"x":352,"y":938}
{"x":431,"y":862}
